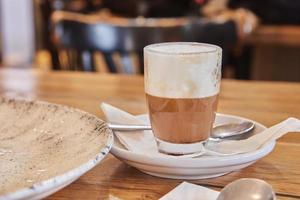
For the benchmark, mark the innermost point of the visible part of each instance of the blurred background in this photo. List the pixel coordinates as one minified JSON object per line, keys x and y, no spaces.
{"x":260,"y":39}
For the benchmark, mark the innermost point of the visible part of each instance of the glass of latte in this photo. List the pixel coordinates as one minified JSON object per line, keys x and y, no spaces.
{"x":182,"y":83}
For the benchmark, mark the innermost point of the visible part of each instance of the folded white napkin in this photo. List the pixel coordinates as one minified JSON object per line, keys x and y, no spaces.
{"x":137,"y":141}
{"x":144,"y":142}
{"x":191,"y":192}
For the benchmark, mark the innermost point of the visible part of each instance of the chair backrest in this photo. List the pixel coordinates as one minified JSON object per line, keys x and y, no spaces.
{"x":90,"y":33}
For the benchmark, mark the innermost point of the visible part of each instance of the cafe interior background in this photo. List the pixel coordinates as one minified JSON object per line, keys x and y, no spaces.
{"x":260,"y":39}
{"x":62,"y":50}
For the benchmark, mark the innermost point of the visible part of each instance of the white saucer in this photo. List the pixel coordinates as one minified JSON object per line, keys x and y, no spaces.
{"x":193,"y":168}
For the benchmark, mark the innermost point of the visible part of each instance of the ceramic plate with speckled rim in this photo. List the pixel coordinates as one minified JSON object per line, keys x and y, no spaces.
{"x":44,"y":147}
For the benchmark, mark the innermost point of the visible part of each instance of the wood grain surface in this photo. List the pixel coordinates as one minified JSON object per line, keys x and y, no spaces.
{"x":273,"y":46}
{"x":286,"y":35}
{"x":265,"y":102}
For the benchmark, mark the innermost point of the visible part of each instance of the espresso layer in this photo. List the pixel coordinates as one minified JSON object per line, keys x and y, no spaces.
{"x":180,"y":120}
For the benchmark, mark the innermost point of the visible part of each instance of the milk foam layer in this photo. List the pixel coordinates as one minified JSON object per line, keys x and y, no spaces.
{"x":182,"y":70}
{"x":182,"y":48}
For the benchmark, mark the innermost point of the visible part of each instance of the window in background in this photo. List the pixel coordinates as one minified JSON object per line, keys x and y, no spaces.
{"x":17,"y":32}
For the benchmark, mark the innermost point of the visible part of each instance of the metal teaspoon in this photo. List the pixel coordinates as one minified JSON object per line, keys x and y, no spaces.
{"x":221,"y":131}
{"x":247,"y":189}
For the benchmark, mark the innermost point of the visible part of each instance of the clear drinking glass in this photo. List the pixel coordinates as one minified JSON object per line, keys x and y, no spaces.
{"x":182,"y":83}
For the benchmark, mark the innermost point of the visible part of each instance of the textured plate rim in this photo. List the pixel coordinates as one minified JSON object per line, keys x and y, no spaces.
{"x":59,"y":180}
{"x":124,"y":154}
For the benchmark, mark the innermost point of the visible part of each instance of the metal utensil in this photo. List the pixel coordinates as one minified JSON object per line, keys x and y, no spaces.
{"x":221,"y":131}
{"x":247,"y":189}
{"x":123,"y":127}
{"x":232,"y":129}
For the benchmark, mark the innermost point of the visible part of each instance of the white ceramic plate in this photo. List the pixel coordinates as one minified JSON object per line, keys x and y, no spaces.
{"x":193,"y":168}
{"x":44,"y":147}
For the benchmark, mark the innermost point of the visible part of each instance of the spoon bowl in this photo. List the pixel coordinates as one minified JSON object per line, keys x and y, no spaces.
{"x":232,"y":130}
{"x":247,"y":189}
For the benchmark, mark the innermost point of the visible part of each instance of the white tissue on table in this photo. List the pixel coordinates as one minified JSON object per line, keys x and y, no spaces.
{"x":137,"y":141}
{"x":191,"y":192}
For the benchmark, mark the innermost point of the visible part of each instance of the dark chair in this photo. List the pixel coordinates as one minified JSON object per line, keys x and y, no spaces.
{"x":80,"y":36}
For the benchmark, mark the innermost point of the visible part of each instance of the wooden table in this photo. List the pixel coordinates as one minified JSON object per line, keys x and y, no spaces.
{"x":265,"y":102}
{"x":285,"y":35}
{"x":276,"y":52}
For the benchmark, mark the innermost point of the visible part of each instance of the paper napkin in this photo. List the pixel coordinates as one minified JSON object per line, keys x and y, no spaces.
{"x":137,"y":141}
{"x":191,"y":192}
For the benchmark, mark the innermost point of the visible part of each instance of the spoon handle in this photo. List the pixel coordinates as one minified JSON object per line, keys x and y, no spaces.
{"x":221,"y":131}
{"x":122,"y":127}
